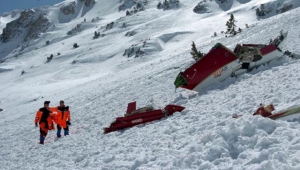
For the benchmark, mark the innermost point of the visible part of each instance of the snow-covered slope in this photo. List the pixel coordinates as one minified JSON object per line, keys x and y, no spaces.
{"x":97,"y":82}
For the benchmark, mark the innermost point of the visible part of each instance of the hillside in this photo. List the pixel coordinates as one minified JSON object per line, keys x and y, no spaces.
{"x":97,"y":81}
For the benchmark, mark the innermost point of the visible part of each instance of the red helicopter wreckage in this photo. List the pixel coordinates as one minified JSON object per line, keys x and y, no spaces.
{"x":289,"y":114}
{"x":142,"y":115}
{"x":220,"y":63}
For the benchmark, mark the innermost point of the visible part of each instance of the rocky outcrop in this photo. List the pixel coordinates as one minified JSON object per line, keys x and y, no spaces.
{"x":265,"y":9}
{"x":286,"y":7}
{"x":68,"y":8}
{"x":200,"y":7}
{"x":168,"y":4}
{"x":76,"y":29}
{"x":88,"y":3}
{"x":29,"y":25}
{"x":37,"y":26}
{"x":132,"y":4}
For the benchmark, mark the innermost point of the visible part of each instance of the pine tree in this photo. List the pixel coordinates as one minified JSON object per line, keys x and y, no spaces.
{"x":197,"y":55}
{"x":231,"y":25}
{"x":159,"y":5}
{"x":166,"y":4}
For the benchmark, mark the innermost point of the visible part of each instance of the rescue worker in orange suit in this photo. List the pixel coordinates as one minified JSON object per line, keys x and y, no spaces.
{"x":265,"y":111}
{"x":44,"y":117}
{"x":62,"y":118}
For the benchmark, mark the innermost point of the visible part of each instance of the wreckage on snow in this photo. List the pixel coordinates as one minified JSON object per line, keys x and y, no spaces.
{"x":220,"y":63}
{"x":142,"y":115}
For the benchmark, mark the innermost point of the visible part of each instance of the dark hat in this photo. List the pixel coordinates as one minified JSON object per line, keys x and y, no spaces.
{"x":46,"y":102}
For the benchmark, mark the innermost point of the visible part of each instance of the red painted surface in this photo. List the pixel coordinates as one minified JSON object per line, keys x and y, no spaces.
{"x":277,"y":115}
{"x":131,"y":107}
{"x":211,"y":62}
{"x":267,"y":49}
{"x":140,"y":118}
{"x":273,"y":116}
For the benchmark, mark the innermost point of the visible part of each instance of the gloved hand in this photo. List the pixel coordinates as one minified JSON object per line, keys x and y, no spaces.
{"x":36,"y":125}
{"x":68,"y":123}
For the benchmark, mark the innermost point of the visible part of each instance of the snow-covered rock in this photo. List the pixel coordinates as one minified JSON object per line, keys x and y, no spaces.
{"x":68,"y":8}
{"x":29,"y":25}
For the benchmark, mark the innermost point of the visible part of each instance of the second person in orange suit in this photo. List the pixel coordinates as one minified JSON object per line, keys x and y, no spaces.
{"x":62,"y":118}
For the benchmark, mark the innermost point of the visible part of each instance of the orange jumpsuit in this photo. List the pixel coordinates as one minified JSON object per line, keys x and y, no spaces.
{"x":62,"y":116}
{"x":45,"y":119}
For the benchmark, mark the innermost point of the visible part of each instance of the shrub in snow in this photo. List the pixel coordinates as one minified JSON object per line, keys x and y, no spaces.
{"x":129,"y":52}
{"x":75,"y":45}
{"x":130,"y":33}
{"x":168,"y":4}
{"x":215,"y":34}
{"x":159,"y":5}
{"x":123,"y":25}
{"x":96,"y":35}
{"x":139,"y":6}
{"x":197,"y":55}
{"x":95,"y":19}
{"x":47,"y":42}
{"x":49,"y":58}
{"x":109,"y":26}
{"x":135,"y":50}
{"x":23,"y":72}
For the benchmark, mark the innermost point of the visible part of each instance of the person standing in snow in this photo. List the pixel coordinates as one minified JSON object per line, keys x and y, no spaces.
{"x":44,"y":117}
{"x":62,"y":118}
{"x":265,"y":111}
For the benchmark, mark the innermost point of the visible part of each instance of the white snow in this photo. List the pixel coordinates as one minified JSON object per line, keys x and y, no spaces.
{"x":97,"y":82}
